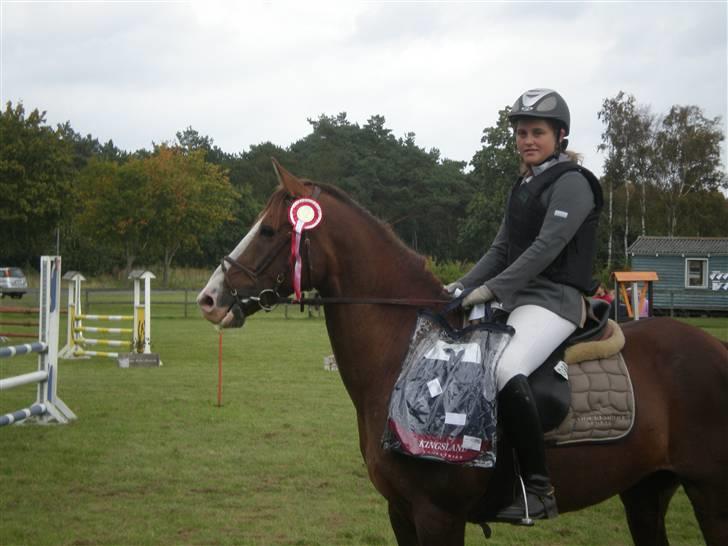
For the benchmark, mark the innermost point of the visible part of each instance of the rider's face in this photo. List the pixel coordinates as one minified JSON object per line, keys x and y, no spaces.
{"x":535,"y":141}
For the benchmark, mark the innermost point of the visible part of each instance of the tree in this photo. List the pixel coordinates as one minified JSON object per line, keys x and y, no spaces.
{"x":626,"y":139}
{"x":114,"y":211}
{"x":711,"y":218}
{"x":190,"y":198}
{"x":412,"y":189}
{"x":190,"y":140}
{"x":152,"y":207}
{"x":88,"y":147}
{"x":36,"y":167}
{"x":254,"y":169}
{"x":495,"y":167}
{"x":688,"y":147}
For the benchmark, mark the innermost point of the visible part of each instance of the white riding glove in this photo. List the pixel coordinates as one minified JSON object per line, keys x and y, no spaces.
{"x":482,"y":294}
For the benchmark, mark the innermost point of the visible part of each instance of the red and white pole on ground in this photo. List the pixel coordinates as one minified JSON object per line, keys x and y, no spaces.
{"x":219,"y":370}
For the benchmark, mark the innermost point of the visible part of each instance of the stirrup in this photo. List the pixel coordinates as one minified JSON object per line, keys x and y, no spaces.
{"x":520,"y":513}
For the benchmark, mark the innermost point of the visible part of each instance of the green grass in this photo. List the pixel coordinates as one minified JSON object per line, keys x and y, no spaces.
{"x":152,"y":460}
{"x":717,"y":327}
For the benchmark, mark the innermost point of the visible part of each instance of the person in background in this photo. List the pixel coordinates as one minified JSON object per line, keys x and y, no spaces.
{"x":603,"y":294}
{"x":539,"y":267}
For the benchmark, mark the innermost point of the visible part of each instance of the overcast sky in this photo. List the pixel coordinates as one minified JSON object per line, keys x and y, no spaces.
{"x":244,"y":73}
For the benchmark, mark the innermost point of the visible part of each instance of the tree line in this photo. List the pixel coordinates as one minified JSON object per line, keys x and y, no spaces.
{"x":187,"y":202}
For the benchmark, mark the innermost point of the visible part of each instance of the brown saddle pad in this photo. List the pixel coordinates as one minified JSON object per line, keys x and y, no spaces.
{"x":602,"y":399}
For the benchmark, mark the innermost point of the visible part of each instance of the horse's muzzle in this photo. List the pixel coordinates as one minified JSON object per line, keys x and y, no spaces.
{"x":235,"y":317}
{"x":222,"y":312}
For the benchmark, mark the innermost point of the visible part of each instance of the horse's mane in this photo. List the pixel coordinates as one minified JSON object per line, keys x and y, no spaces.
{"x":386,"y":229}
{"x":280,"y":199}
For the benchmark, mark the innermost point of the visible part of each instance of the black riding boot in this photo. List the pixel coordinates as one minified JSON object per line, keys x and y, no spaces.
{"x":518,"y":413}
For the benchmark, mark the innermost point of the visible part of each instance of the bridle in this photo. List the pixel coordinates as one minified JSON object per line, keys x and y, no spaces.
{"x":269,"y":298}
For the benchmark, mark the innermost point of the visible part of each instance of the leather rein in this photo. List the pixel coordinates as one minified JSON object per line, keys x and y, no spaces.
{"x":269,"y":298}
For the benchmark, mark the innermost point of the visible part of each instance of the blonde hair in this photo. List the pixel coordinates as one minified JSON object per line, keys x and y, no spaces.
{"x":576,"y":157}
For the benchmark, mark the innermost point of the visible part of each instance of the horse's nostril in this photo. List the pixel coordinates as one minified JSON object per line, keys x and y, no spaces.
{"x":205,"y":301}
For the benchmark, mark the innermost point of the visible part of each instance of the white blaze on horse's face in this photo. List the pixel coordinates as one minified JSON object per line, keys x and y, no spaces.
{"x":213,"y":300}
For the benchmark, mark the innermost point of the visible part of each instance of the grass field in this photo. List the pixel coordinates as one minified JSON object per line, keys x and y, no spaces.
{"x":152,"y":460}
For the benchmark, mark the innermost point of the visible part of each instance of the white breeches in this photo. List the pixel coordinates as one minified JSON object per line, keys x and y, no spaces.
{"x":538,"y":333}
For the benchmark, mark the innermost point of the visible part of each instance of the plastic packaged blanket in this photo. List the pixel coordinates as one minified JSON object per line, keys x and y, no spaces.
{"x":443,"y":406}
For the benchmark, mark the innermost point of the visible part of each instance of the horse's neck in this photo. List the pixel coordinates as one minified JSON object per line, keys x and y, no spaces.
{"x":370,"y":340}
{"x":366,"y":260}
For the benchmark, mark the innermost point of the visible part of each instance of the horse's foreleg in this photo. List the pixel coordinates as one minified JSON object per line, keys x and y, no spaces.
{"x":403,"y":527}
{"x":711,"y":509}
{"x":435,"y":527}
{"x":646,"y":504}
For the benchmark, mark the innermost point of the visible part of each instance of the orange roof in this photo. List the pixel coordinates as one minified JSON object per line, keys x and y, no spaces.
{"x":631,"y":276}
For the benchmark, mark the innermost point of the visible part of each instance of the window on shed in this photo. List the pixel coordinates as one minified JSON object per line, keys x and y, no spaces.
{"x":696,"y":273}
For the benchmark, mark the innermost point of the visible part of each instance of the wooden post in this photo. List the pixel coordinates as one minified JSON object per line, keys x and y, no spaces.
{"x":633,"y":278}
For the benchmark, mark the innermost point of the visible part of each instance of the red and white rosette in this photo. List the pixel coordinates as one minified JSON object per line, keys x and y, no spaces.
{"x":304,"y":214}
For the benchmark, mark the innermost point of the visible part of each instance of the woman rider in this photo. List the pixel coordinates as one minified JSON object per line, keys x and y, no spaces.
{"x":539,"y":268}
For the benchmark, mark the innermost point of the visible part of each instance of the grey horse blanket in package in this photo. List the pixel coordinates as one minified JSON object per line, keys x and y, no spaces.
{"x":443,"y":406}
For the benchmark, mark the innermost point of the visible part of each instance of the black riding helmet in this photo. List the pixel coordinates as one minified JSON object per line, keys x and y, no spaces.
{"x":542,"y":104}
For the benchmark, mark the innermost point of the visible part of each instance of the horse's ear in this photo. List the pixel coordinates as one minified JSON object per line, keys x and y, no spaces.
{"x":293,"y":185}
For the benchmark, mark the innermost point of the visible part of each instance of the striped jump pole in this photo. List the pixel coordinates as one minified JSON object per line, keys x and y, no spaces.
{"x":48,"y":407}
{"x":84,"y":342}
{"x":77,"y":345}
{"x":33,"y":411}
{"x":26,"y":348}
{"x":136,"y":339}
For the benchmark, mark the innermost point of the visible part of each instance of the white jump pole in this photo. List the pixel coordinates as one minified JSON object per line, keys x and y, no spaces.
{"x":142,"y":311}
{"x":74,"y":279}
{"x":148,"y":276}
{"x":50,"y":312}
{"x":48,"y":407}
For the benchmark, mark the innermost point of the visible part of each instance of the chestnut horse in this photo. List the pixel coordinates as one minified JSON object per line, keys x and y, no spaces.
{"x":679,"y":375}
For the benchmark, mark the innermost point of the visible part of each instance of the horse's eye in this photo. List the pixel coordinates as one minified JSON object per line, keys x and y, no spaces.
{"x":267,"y":231}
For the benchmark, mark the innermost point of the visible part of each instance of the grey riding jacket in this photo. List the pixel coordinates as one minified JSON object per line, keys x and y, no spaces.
{"x":568,"y":202}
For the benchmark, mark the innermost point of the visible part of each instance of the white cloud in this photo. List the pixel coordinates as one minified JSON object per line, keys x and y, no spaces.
{"x":246,"y":72}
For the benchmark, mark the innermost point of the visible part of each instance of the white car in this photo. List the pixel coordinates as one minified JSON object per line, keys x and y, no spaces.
{"x":12,"y":282}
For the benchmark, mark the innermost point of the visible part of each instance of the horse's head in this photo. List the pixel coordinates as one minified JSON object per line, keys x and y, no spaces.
{"x":261,"y":268}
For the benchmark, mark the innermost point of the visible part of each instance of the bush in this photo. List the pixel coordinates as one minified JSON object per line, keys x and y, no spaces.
{"x":448,"y":271}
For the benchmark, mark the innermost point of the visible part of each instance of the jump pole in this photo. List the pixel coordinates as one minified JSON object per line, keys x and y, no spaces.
{"x":137,"y":350}
{"x":48,"y":407}
{"x":141,"y":354}
{"x":142,"y":311}
{"x":74,"y":279}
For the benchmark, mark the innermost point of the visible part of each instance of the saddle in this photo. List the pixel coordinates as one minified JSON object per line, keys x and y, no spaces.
{"x":583,"y":390}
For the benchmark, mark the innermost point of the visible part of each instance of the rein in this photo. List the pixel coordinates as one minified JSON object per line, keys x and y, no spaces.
{"x":411,"y":302}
